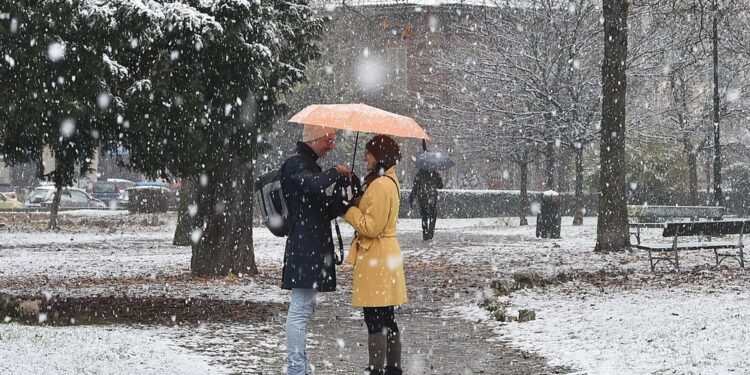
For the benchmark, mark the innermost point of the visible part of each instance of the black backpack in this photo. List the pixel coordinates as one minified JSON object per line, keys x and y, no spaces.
{"x":269,"y":199}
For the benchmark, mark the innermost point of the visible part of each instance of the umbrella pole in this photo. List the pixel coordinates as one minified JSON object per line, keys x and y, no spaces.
{"x":354,"y":156}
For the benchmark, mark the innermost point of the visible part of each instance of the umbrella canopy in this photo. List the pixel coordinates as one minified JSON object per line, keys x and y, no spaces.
{"x":359,"y":118}
{"x":434,"y":161}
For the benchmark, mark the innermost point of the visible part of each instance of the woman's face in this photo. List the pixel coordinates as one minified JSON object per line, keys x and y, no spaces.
{"x":371,"y":162}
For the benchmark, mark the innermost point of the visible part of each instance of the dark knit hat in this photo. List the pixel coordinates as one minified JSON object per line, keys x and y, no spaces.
{"x":384,"y":149}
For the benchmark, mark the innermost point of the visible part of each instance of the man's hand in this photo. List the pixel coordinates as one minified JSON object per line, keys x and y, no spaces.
{"x":356,"y":186}
{"x":344,"y":170}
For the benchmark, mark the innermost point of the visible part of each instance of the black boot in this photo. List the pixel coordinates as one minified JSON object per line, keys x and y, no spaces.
{"x":393,"y":354}
{"x":377,"y":344}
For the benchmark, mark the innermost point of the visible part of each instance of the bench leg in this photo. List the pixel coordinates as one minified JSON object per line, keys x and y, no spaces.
{"x":676,"y":261}
{"x":742,"y":257}
{"x":716,"y":252}
{"x":651,"y":260}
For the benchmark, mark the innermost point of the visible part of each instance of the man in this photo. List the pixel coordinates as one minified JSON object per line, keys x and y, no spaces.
{"x":426,"y":184}
{"x":309,"y":265}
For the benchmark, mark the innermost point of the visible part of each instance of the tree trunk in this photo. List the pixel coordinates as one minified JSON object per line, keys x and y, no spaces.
{"x":185,"y":222}
{"x":693,"y":167}
{"x":612,"y":223}
{"x":55,"y":208}
{"x":718,"y":193}
{"x":549,"y":156}
{"x":578,"y":216}
{"x":226,"y":212}
{"x":523,"y":203}
{"x":562,"y":166}
{"x":709,"y":182}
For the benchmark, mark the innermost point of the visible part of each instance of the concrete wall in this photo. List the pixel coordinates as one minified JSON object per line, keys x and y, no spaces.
{"x":489,"y":203}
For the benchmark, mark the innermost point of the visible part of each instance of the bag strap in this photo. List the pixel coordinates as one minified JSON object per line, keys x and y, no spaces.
{"x":394,"y":182}
{"x":339,"y":258}
{"x":391,"y":178}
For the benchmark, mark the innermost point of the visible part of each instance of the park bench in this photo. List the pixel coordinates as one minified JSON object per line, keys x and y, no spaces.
{"x":701,"y":229}
{"x":655,"y":216}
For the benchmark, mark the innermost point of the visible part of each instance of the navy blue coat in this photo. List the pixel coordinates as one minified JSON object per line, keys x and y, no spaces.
{"x":309,"y":256}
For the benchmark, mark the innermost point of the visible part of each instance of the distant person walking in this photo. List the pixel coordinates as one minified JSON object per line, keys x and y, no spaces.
{"x":425,"y":189}
{"x":309,"y":265}
{"x":378,"y":283}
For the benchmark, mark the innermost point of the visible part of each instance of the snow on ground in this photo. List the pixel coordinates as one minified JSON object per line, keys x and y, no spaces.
{"x":104,"y":256}
{"x":638,"y":332}
{"x":95,"y":350}
{"x":652,"y":323}
{"x":94,"y":213}
{"x":240,"y":346}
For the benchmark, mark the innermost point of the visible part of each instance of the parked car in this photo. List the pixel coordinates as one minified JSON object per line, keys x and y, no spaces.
{"x":42,"y":197}
{"x":6,"y":202}
{"x":109,"y":190}
{"x":155,"y":197}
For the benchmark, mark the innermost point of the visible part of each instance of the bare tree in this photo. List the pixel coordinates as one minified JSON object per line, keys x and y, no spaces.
{"x":524,"y":83}
{"x":612,"y":224}
{"x":676,"y":85}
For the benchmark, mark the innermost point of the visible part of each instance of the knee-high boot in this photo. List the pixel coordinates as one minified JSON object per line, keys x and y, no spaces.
{"x":393,"y":354}
{"x":376,"y":345}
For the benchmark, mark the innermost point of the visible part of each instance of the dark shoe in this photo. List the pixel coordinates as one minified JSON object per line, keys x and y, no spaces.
{"x":390,"y":370}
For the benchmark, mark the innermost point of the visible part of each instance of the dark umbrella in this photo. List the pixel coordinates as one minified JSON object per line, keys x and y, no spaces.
{"x":434,"y":161}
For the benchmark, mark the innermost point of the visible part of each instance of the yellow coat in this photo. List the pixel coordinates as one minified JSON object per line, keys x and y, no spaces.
{"x":378,"y":275}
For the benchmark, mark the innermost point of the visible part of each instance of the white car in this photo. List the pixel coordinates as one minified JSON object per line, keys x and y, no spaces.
{"x":123,"y":199}
{"x":42,"y":196}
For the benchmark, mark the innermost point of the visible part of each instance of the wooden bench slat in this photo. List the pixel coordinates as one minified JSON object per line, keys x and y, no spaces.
{"x":707,"y":228}
{"x":648,"y":225}
{"x":714,"y":212}
{"x":690,"y":246}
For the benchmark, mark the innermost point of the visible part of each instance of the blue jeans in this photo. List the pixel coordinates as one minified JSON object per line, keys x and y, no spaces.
{"x":300,"y":310}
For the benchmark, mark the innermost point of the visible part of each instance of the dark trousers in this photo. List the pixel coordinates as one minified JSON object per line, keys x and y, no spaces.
{"x":380,"y":320}
{"x":428,"y":212}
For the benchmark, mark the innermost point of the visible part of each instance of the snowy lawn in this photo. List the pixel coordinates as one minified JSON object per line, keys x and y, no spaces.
{"x":95,"y":350}
{"x":632,"y":322}
{"x":678,"y":330}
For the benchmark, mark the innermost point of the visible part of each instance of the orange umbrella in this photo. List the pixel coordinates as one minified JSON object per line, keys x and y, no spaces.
{"x":359,"y":118}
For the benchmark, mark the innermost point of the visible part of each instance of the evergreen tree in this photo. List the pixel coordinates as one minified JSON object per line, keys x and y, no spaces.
{"x":212,"y":83}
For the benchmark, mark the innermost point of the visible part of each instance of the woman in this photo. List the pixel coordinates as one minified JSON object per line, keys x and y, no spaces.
{"x":378,"y":274}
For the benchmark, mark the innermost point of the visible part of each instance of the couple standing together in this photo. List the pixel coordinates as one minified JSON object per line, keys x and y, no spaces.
{"x":378,"y":283}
